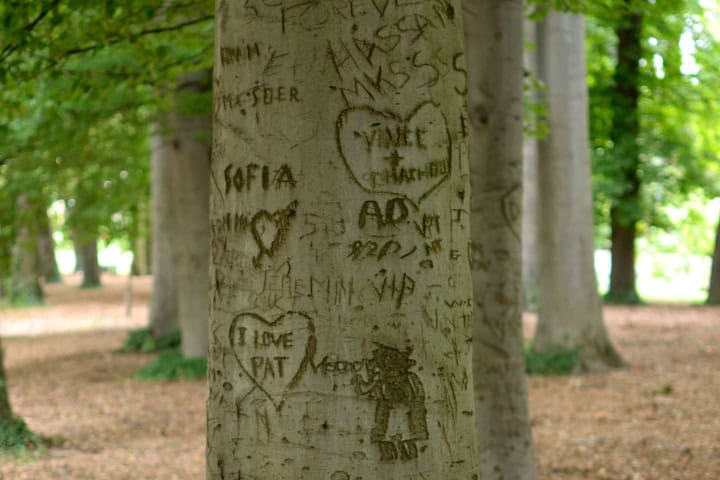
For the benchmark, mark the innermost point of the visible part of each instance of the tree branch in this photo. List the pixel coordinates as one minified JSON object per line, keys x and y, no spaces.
{"x":150,"y":31}
{"x":11,"y":48}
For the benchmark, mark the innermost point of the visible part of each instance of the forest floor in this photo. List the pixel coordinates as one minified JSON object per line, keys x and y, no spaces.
{"x":659,"y":419}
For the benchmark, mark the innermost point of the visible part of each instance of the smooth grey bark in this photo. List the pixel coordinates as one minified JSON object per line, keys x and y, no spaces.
{"x":163,"y":315}
{"x":569,"y":307}
{"x":190,"y":144}
{"x":341,"y":308}
{"x":530,"y":257}
{"x":494,"y":36}
{"x":713,"y":297}
{"x":26,"y":274}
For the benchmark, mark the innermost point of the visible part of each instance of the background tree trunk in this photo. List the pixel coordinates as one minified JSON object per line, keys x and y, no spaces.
{"x":78,"y":252}
{"x":494,"y":36}
{"x":625,"y":211}
{"x":530,"y":257}
{"x":569,"y":307}
{"x":140,"y":243}
{"x":341,"y":292}
{"x":26,"y":287}
{"x":163,"y":304}
{"x":46,"y":251}
{"x":89,"y":261}
{"x":5,"y":410}
{"x":713,"y":297}
{"x":191,"y":137}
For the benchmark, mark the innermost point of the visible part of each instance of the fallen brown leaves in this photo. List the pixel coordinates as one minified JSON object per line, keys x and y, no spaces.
{"x":657,"y":420}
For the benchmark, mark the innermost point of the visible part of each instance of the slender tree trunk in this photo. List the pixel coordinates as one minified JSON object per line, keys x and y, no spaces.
{"x":46,"y":251}
{"x":163,"y":305}
{"x":494,"y":36}
{"x":713,"y":297}
{"x":341,"y":308}
{"x":89,"y":260}
{"x":625,"y":211}
{"x":530,"y":257}
{"x":141,"y":254}
{"x":191,"y":140}
{"x":26,"y":273}
{"x":78,"y":252}
{"x":5,"y":410}
{"x":569,"y":307}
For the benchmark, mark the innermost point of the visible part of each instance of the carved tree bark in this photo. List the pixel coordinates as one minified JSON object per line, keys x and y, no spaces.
{"x":341,"y":299}
{"x":190,"y":141}
{"x":163,"y":318}
{"x":569,"y":306}
{"x":495,"y":78}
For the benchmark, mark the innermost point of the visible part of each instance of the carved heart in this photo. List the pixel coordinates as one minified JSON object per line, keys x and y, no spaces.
{"x":274,"y":355}
{"x":385,"y":153}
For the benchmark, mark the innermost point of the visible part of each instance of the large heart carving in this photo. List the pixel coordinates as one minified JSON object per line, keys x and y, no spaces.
{"x":273,"y":354}
{"x":386,"y":153}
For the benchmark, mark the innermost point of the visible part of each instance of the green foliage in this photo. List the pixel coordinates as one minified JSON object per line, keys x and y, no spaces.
{"x":676,"y":146}
{"x":16,"y":437}
{"x":80,"y":83}
{"x":559,"y":361}
{"x":142,"y":340}
{"x":173,"y":366}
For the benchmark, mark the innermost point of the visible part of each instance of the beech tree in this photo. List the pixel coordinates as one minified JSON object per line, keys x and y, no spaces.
{"x":163,"y":303}
{"x":569,"y":307}
{"x":713,"y":296}
{"x":341,"y":301}
{"x":189,"y":139}
{"x":494,"y":39}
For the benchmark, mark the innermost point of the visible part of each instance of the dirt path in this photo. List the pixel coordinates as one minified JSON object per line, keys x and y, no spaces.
{"x":658,"y":420}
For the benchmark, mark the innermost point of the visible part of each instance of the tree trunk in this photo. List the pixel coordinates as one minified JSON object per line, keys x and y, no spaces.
{"x":78,"y":252}
{"x":190,"y":144}
{"x":713,"y":297}
{"x":26,"y":287}
{"x":5,"y":411}
{"x":141,"y":254}
{"x":494,"y":35}
{"x":46,"y":251}
{"x":89,"y":260}
{"x":341,"y":307}
{"x":625,"y":211}
{"x":530,"y":257}
{"x":569,"y":307}
{"x":163,"y":304}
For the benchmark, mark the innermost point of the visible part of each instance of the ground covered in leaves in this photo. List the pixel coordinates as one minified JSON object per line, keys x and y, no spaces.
{"x":658,"y":419}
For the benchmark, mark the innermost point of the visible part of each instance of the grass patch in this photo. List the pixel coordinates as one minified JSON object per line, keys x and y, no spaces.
{"x":142,"y":340}
{"x":173,"y":366}
{"x":17,"y":439}
{"x":559,"y":361}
